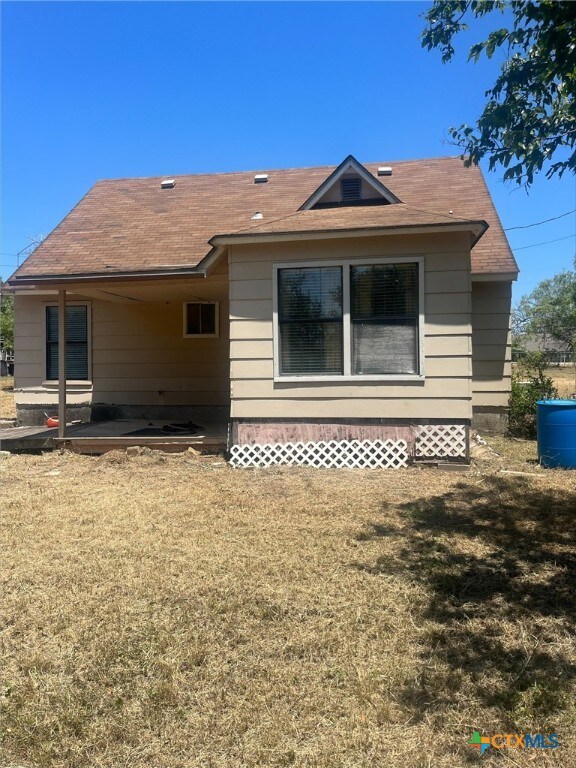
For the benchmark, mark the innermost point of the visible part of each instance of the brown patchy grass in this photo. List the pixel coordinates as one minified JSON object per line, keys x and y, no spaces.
{"x":564,"y":379}
{"x":7,"y":407}
{"x":170,"y":612}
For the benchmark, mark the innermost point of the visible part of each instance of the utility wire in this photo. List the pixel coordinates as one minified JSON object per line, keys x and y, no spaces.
{"x":535,"y":245}
{"x":537,"y":223}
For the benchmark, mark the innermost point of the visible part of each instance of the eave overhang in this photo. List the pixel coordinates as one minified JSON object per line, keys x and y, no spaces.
{"x":476,"y":228}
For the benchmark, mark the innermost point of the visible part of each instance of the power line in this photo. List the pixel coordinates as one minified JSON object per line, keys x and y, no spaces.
{"x":547,"y":242}
{"x":537,"y":223}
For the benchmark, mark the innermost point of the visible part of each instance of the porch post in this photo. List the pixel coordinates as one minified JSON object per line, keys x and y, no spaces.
{"x":61,"y":363}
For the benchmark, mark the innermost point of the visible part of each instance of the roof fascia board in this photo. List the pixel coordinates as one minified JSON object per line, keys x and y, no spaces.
{"x":473,"y":226}
{"x":101,"y":277}
{"x":209,"y":261}
{"x":349,"y":163}
{"x":489,"y":277}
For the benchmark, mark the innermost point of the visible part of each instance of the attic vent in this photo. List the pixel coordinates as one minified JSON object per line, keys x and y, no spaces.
{"x":384,"y":170}
{"x":257,"y":215}
{"x":261,"y":178}
{"x":350,"y":189}
{"x":167,"y":184}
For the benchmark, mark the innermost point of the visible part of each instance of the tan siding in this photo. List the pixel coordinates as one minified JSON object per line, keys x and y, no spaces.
{"x":247,"y":329}
{"x":436,"y":367}
{"x":493,"y":399}
{"x":248,"y":349}
{"x":448,"y":303}
{"x":250,"y":289}
{"x":483,"y":384}
{"x":139,"y":356}
{"x":447,"y":282}
{"x":261,"y":389}
{"x":447,"y":325}
{"x":259,"y":309}
{"x":444,"y":393}
{"x":442,"y":408}
{"x":492,"y":369}
{"x":491,"y":343}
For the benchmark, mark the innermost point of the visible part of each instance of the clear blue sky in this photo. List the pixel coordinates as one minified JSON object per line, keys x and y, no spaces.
{"x":101,"y":90}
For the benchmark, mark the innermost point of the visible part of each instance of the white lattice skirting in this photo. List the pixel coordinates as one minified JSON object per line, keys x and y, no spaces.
{"x":438,"y":441}
{"x":352,"y":454}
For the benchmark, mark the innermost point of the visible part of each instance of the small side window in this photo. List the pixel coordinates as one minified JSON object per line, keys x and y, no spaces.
{"x":76,"y":342}
{"x":200,"y":319}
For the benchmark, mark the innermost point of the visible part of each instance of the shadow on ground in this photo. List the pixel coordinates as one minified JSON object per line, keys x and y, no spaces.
{"x":497,"y":563}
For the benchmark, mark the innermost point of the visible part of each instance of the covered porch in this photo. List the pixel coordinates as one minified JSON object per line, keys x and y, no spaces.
{"x":138,"y":361}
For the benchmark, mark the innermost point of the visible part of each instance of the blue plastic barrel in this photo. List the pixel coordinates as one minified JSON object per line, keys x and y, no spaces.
{"x":556,"y":429}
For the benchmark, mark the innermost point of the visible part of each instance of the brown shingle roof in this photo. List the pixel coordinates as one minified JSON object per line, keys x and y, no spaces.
{"x":394,"y":216}
{"x":132,"y":225}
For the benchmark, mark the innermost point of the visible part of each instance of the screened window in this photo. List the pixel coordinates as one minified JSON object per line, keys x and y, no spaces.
{"x":310,"y":321}
{"x":76,"y":342}
{"x":200,"y":319}
{"x":350,"y":320}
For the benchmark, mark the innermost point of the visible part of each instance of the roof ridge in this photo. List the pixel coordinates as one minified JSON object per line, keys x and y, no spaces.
{"x":271,"y":170}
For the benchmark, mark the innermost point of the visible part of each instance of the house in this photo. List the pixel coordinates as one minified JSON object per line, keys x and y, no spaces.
{"x":554,"y":351}
{"x":307,"y":305}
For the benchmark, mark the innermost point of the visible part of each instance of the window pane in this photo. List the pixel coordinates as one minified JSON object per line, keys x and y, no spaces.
{"x":381,"y":348}
{"x":192,"y":318}
{"x":200,"y":319}
{"x":311,"y":348}
{"x":208,"y":315}
{"x":310,"y":293}
{"x":384,"y":318}
{"x":310,"y":320}
{"x":384,"y":290}
{"x":76,"y":342}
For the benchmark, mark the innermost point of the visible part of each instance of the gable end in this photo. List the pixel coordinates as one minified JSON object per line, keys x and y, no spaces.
{"x":349,"y":184}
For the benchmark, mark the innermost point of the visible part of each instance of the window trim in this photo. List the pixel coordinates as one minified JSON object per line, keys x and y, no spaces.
{"x":348,"y":376}
{"x":215,"y":335}
{"x":69,"y":382}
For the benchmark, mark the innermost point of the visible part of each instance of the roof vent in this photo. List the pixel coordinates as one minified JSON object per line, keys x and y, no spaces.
{"x":260,"y":178}
{"x":167,"y":184}
{"x":257,"y":215}
{"x":384,"y":170}
{"x":351,"y":188}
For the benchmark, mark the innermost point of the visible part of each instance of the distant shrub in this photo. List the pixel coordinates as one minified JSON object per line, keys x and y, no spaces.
{"x":529,"y":384}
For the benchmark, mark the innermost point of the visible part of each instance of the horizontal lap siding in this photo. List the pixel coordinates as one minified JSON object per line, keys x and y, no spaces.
{"x":139,"y":357}
{"x":491,"y":344}
{"x":30,"y":355}
{"x":445,"y":393}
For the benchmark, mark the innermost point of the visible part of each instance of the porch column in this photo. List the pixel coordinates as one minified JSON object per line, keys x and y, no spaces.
{"x":61,"y":363}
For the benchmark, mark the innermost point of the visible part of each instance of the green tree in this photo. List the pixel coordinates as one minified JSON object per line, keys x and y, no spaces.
{"x":6,"y":320}
{"x":530,"y":112}
{"x":550,"y":312}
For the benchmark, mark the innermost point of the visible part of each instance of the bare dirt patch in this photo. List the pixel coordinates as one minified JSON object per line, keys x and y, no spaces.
{"x":165,"y":610}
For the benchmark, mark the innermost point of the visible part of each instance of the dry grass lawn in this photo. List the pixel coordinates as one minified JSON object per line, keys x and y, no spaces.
{"x":170,"y":612}
{"x":7,"y":409}
{"x":564,"y":379}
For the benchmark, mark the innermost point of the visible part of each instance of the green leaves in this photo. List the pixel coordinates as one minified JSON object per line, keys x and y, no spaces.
{"x":7,"y":321}
{"x":530,"y":112}
{"x":550,"y":310}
